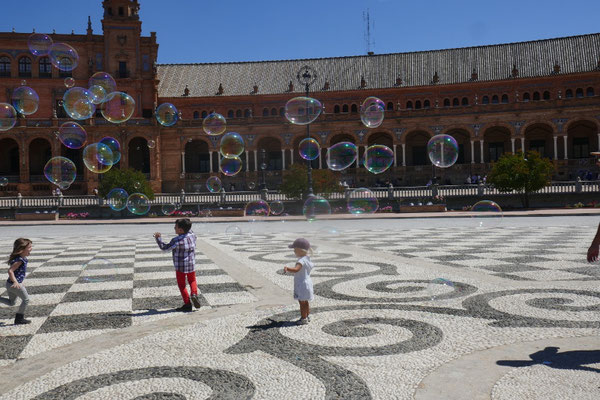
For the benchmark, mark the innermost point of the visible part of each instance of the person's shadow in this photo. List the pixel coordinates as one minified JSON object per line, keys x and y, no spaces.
{"x":575,"y":359}
{"x":272,"y":324}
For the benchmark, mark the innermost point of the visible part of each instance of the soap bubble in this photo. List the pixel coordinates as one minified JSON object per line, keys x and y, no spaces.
{"x":303,"y":110}
{"x":104,"y":80}
{"x":60,"y":171}
{"x":118,"y":107}
{"x":137,"y":185}
{"x":39,"y":44}
{"x":138,"y":204}
{"x":169,"y":208}
{"x":69,"y":82}
{"x":257,"y":208}
{"x":151,"y":144}
{"x":77,"y":103}
{"x":233,"y":230}
{"x":214,"y":184}
{"x":442,"y":150}
{"x":486,"y":214}
{"x":97,"y":157}
{"x":438,"y":288}
{"x":378,"y":158}
{"x":276,"y":207}
{"x":97,"y":94}
{"x":309,"y":149}
{"x":362,"y":201}
{"x":251,"y":185}
{"x":25,"y":100}
{"x":372,"y":112}
{"x":114,"y":146}
{"x":341,"y":155}
{"x":3,"y":181}
{"x":214,"y":124}
{"x":232,"y":144}
{"x":117,"y":199}
{"x":72,"y":135}
{"x":63,"y":56}
{"x":99,"y":270}
{"x":230,"y":165}
{"x":8,"y":117}
{"x":315,"y":207}
{"x":167,"y":114}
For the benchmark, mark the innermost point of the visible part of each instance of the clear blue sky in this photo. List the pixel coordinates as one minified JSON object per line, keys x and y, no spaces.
{"x":241,"y":30}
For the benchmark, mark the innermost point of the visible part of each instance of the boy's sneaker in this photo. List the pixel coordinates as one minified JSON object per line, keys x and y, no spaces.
{"x":185,"y":308}
{"x":196,"y":301}
{"x":302,"y":321}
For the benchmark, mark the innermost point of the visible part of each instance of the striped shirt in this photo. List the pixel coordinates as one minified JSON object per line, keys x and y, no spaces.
{"x":184,"y":251}
{"x":19,"y":272}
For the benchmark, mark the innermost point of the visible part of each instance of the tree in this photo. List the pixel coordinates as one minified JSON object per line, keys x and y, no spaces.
{"x":523,"y":174}
{"x":295,"y":181}
{"x":132,"y":181}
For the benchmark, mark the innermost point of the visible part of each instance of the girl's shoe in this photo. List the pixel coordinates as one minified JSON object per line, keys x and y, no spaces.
{"x":302,"y":321}
{"x":20,"y":320}
{"x":185,"y":308}
{"x":196,"y":301}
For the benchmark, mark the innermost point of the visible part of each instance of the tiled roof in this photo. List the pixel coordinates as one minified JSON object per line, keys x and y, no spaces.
{"x":495,"y":62}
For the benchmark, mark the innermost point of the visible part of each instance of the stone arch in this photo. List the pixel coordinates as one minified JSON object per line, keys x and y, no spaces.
{"x":539,"y":137}
{"x":197,"y":156}
{"x":9,"y":158}
{"x":582,"y":138}
{"x":273,"y":156}
{"x":380,"y":137}
{"x":416,"y":147}
{"x":138,"y":154}
{"x":40,"y":151}
{"x":462,"y":136}
{"x":496,"y":141}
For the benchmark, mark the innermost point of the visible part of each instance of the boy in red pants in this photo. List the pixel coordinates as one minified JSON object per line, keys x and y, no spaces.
{"x":183,"y":247}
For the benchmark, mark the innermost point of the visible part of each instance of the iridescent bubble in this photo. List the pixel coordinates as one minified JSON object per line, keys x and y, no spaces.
{"x":442,"y":150}
{"x":117,"y":199}
{"x":77,"y":103}
{"x":63,"y":56}
{"x":309,"y":149}
{"x":114,"y":146}
{"x":230,"y":165}
{"x":378,"y":158}
{"x":169,"y":209}
{"x":214,"y":184}
{"x":137,"y":185}
{"x":341,"y":155}
{"x":233,"y":230}
{"x":276,"y":207}
{"x":72,"y":135}
{"x":104,"y":80}
{"x":69,"y":82}
{"x":138,"y":204}
{"x":97,"y":94}
{"x":486,"y":214}
{"x":118,"y":107}
{"x":303,"y":110}
{"x":372,"y":111}
{"x":25,"y":100}
{"x":60,"y":171}
{"x":232,"y":144}
{"x":251,"y":185}
{"x":438,"y":288}
{"x":362,"y":201}
{"x":151,"y":144}
{"x":97,"y":157}
{"x":257,"y":208}
{"x":167,"y":114}
{"x":99,"y":270}
{"x":39,"y":44}
{"x":8,"y":117}
{"x":214,"y":124}
{"x":315,"y":207}
{"x":3,"y":181}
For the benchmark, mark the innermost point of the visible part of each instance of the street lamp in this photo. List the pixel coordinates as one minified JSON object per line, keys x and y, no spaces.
{"x":306,"y":76}
{"x":263,"y":167}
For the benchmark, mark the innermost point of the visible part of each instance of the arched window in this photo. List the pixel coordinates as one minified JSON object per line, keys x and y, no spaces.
{"x":579,"y":93}
{"x":464,"y":101}
{"x":336,"y":109}
{"x":204,"y":114}
{"x":390,"y":106}
{"x":45,"y":68}
{"x":238,"y":114}
{"x":265,"y":112}
{"x":196,"y":115}
{"x":589,"y":91}
{"x":526,"y":96}
{"x":536,"y":96}
{"x":354,"y":109}
{"x":546,"y":95}
{"x":418,"y":105}
{"x":273,"y":112}
{"x":247,"y":113}
{"x":345,"y":108}
{"x":409,"y":105}
{"x":426,"y":104}
{"x":230,"y":114}
{"x":65,"y":69}
{"x":455,"y":102}
{"x":24,"y":67}
{"x":504,"y":99}
{"x":495,"y":99}
{"x":446,"y":102}
{"x":485,"y":100}
{"x":4,"y":66}
{"x":569,"y":94}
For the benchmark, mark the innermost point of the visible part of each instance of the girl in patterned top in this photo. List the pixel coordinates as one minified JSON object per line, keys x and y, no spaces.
{"x":16,"y":276}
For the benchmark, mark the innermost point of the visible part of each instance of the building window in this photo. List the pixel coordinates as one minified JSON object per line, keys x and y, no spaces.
{"x":146,"y":113}
{"x":345,"y":108}
{"x":446,"y":102}
{"x":196,"y":115}
{"x":579,"y":93}
{"x":24,"y":67}
{"x":146,"y":62}
{"x":496,"y":150}
{"x":455,"y":102}
{"x":390,"y":106}
{"x":538,"y":145}
{"x":354,"y":109}
{"x":247,"y":113}
{"x":273,"y":112}
{"x":417,"y":104}
{"x":581,"y":147}
{"x":495,"y":99}
{"x":526,"y":96}
{"x":230,"y":114}
{"x":569,"y":94}
{"x":4,"y":66}
{"x":123,"y":69}
{"x":65,"y":70}
{"x":336,"y":109}
{"x":426,"y":104}
{"x":121,"y":11}
{"x":546,"y":95}
{"x":265,"y":112}
{"x":409,"y":105}
{"x":238,"y":114}
{"x":99,"y":61}
{"x":504,"y":99}
{"x":536,"y":96}
{"x":485,"y":100}
{"x":465,"y":101}
{"x":45,"y":68}
{"x":589,"y":92}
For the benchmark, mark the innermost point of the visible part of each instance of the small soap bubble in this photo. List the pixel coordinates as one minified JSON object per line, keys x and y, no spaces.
{"x":39,"y":44}
{"x":230,"y":166}
{"x":167,"y":114}
{"x":378,"y":158}
{"x":315,"y":207}
{"x":97,"y":94}
{"x":97,"y":157}
{"x":138,"y":204}
{"x":137,"y":185}
{"x":169,"y":209}
{"x":3,"y":181}
{"x":69,"y":82}
{"x":25,"y":100}
{"x":341,"y":155}
{"x":214,"y":184}
{"x":232,"y":145}
{"x":117,"y":199}
{"x":442,"y":150}
{"x":438,"y":288}
{"x":118,"y":107}
{"x":362,"y":201}
{"x":302,"y":110}
{"x":372,"y":112}
{"x":104,"y":80}
{"x":63,"y":56}
{"x":309,"y":149}
{"x":214,"y":124}
{"x":233,"y":230}
{"x":276,"y":207}
{"x":77,"y":103}
{"x":60,"y":171}
{"x":8,"y":117}
{"x":151,"y":144}
{"x":486,"y":214}
{"x":257,"y":208}
{"x":251,"y":185}
{"x":72,"y":135}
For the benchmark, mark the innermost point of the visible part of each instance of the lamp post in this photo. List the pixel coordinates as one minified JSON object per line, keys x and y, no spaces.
{"x":263,"y":167}
{"x":306,"y":76}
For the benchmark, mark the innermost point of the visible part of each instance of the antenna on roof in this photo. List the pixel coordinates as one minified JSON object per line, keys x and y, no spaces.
{"x":367,"y":21}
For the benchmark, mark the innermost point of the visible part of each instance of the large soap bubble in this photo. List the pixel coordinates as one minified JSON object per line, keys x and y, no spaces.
{"x":103,"y":80}
{"x":442,"y":150}
{"x":378,"y":158}
{"x":486,"y":214}
{"x":167,"y":114}
{"x":97,"y":94}
{"x":114,"y":146}
{"x":98,"y":158}
{"x":372,"y":111}
{"x":362,"y":201}
{"x":8,"y":117}
{"x":214,"y":124}
{"x":63,"y":56}
{"x":232,"y":144}
{"x":72,"y":135}
{"x":117,"y":199}
{"x":277,"y":207}
{"x":257,"y":208}
{"x":77,"y":103}
{"x":315,"y":207}
{"x":303,"y":110}
{"x":214,"y":184}
{"x":39,"y":44}
{"x":60,"y":171}
{"x":25,"y":100}
{"x":138,"y":204}
{"x":118,"y":107}
{"x":230,"y":166}
{"x":341,"y":155}
{"x":309,"y":149}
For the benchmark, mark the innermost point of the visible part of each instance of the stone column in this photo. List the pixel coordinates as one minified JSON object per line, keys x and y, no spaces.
{"x":210,"y":167}
{"x":320,"y":160}
{"x":395,"y":160}
{"x":512,"y":144}
{"x":255,"y":161}
{"x":283,"y":159}
{"x":247,"y":162}
{"x":291,"y":156}
{"x":481,"y":149}
{"x":555,"y":148}
{"x":472,"y":152}
{"x":404,"y":154}
{"x":523,"y":145}
{"x":599,"y":141}
{"x":566,"y":149}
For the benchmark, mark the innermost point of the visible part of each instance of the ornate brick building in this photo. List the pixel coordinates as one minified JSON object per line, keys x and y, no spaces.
{"x":540,"y":95}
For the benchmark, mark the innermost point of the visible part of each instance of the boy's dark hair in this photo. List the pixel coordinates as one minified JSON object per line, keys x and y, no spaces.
{"x":184,"y":223}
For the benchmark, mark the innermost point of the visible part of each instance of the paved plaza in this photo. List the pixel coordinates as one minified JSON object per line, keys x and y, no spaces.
{"x":424,"y":308}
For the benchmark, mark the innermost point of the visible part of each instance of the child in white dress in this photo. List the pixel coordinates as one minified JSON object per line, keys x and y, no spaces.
{"x":303,"y":286}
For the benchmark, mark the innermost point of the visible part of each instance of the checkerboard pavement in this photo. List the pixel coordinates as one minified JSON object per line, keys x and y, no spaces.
{"x":128,"y":282}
